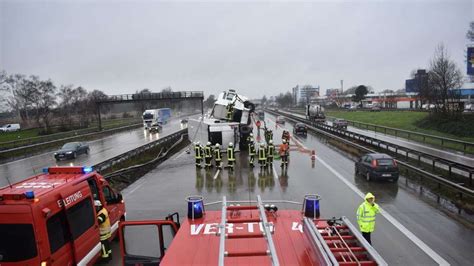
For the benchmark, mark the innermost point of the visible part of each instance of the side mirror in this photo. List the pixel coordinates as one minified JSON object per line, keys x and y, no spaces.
{"x":119,"y":197}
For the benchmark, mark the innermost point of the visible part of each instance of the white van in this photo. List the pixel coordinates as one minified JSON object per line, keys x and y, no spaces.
{"x":10,"y":128}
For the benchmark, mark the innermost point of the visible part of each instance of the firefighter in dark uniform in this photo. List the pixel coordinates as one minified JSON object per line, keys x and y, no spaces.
{"x":230,"y":112}
{"x":262,"y":157}
{"x":208,"y":155}
{"x":218,"y":156}
{"x":252,"y":152}
{"x":198,"y":154}
{"x":230,"y":156}
{"x":104,"y":229}
{"x":270,"y":152}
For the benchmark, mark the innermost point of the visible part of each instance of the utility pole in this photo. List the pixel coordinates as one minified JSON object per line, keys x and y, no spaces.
{"x":342,"y":86}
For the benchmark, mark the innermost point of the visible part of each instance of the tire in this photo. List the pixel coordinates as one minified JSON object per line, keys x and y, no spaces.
{"x":356,"y":171}
{"x":367,"y":176}
{"x":87,"y":151}
{"x":74,"y":155}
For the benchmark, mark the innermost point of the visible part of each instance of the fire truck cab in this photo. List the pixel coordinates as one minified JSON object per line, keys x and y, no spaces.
{"x":50,"y":218}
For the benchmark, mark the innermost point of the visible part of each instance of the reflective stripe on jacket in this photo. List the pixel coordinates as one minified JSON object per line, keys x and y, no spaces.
{"x":261,"y":154}
{"x":197,"y":152}
{"x":217,"y":154}
{"x":230,"y":154}
{"x":104,"y":224}
{"x":366,"y":216}
{"x":251,"y":148}
{"x":271,"y":150}
{"x":208,"y":151}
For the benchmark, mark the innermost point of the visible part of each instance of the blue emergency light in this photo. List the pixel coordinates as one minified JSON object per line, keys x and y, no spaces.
{"x":311,"y":206}
{"x":45,"y":170}
{"x":29,"y":194}
{"x":87,"y":170}
{"x":195,"y":207}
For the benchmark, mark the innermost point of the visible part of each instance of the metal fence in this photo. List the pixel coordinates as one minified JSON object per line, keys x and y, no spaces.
{"x":153,"y":96}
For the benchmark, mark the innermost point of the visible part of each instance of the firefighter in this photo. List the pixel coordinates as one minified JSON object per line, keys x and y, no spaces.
{"x":198,"y":154}
{"x":104,"y":229}
{"x":208,"y":155}
{"x":270,"y":152}
{"x":366,"y":216}
{"x":284,"y":151}
{"x":252,"y":152}
{"x":230,"y":156}
{"x":268,"y":135}
{"x":230,"y":110}
{"x":250,"y":137}
{"x":286,"y":136}
{"x":218,"y":156}
{"x":262,"y":157}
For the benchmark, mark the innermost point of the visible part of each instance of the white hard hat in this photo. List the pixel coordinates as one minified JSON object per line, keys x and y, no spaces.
{"x":197,"y":143}
{"x":251,"y":134}
{"x":261,"y":144}
{"x":217,"y":145}
{"x":208,"y":143}
{"x":284,"y":140}
{"x":97,"y":203}
{"x":231,"y":144}
{"x":270,"y":141}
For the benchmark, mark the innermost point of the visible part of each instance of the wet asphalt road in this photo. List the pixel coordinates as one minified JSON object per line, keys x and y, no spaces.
{"x":410,"y":231}
{"x":100,"y":150}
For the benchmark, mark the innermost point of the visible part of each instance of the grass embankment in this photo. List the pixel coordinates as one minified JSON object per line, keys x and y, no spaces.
{"x":36,"y":132}
{"x":418,"y":122}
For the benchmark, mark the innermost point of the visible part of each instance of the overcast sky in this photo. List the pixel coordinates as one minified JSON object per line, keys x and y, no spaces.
{"x":256,"y":48}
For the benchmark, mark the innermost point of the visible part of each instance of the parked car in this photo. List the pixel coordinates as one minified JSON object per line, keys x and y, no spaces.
{"x":375,"y":109}
{"x":300,"y":128}
{"x":10,"y":128}
{"x":184,"y":121}
{"x":379,"y":166}
{"x":280,"y":120}
{"x":340,"y":123}
{"x":71,"y":150}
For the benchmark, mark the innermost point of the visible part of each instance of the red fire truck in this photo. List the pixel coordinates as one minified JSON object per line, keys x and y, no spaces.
{"x":50,"y":218}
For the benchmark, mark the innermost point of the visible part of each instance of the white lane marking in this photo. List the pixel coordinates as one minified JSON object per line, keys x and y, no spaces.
{"x":391,"y":219}
{"x":275,"y":175}
{"x":217,"y":173}
{"x":135,"y":188}
{"x":181,"y":154}
{"x":90,"y":255}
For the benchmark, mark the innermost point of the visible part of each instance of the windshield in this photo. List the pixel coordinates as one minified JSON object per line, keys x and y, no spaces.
{"x":69,"y":146}
{"x":148,"y":116}
{"x":17,"y":242}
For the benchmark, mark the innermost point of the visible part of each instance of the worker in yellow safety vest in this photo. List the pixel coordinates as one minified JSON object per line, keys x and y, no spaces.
{"x":104,"y":229}
{"x":218,"y":156}
{"x":198,"y":154}
{"x":270,"y":152}
{"x":262,"y":155}
{"x":230,"y":156}
{"x":252,"y":152}
{"x":208,"y":155}
{"x":366,"y":216}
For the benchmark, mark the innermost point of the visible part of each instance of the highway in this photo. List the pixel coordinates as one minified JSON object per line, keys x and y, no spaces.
{"x":100,"y":150}
{"x":409,"y":230}
{"x":455,"y":156}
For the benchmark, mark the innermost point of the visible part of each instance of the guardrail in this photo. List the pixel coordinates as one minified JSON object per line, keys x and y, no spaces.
{"x":167,"y":140}
{"x":465,"y":146}
{"x":440,"y":180}
{"x":34,"y":140}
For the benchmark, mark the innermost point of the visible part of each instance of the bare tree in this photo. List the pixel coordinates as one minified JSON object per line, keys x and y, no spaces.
{"x":43,"y":96}
{"x":444,"y":77}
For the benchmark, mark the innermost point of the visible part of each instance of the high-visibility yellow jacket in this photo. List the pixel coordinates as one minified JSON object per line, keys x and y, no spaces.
{"x":104,"y":224}
{"x":251,"y":149}
{"x":208,"y":151}
{"x":366,"y":215}
{"x":271,"y":150}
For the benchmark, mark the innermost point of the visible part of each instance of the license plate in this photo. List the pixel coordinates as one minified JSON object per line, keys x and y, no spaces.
{"x":387,"y":175}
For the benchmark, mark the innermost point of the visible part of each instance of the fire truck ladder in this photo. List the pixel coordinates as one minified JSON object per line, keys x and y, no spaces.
{"x":342,"y":244}
{"x":267,"y":234}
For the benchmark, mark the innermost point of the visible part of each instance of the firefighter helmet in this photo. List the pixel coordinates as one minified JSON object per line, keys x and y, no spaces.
{"x":97,"y":203}
{"x":231,"y":144}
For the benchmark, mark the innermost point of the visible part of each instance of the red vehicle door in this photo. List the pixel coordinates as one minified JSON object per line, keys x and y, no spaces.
{"x":145,"y":242}
{"x":83,"y":226}
{"x":113,"y":204}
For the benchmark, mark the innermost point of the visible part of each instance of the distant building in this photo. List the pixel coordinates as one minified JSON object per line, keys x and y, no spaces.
{"x":333,"y":92}
{"x":304,"y":94}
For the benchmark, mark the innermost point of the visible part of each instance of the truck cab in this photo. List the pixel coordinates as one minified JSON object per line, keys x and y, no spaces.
{"x":50,"y":218}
